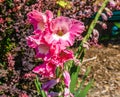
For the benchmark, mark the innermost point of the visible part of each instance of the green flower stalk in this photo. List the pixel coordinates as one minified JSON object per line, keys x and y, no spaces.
{"x":91,"y":27}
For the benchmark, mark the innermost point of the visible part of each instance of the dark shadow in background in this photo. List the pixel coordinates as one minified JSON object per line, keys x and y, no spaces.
{"x":106,"y":36}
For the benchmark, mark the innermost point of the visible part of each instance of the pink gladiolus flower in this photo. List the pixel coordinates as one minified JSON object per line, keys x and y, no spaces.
{"x":47,"y":70}
{"x":64,"y":31}
{"x":50,"y":39}
{"x":66,"y":78}
{"x":39,"y":20}
{"x":50,"y":84}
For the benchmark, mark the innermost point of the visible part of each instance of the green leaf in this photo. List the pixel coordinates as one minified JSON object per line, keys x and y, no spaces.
{"x":80,"y":48}
{"x":57,"y":72}
{"x":84,"y":92}
{"x":38,"y":87}
{"x":82,"y":55}
{"x":117,"y":24}
{"x":58,"y":13}
{"x":37,"y":84}
{"x":79,"y":91}
{"x":84,"y":77}
{"x":74,"y":77}
{"x":68,"y":65}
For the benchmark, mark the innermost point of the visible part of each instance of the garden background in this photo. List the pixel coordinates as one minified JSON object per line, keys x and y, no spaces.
{"x":17,"y":60}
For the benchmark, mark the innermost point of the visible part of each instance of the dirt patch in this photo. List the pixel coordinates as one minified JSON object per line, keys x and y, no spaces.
{"x":105,"y":63}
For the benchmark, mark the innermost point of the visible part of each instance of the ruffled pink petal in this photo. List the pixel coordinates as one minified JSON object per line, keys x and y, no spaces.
{"x":60,"y":58}
{"x":38,"y":32}
{"x":33,"y":41}
{"x":37,"y":19}
{"x":66,"y":55}
{"x":77,"y":27}
{"x":47,"y":70}
{"x":60,"y":24}
{"x":56,"y":48}
{"x":42,"y":51}
{"x":39,"y":68}
{"x":49,"y":15}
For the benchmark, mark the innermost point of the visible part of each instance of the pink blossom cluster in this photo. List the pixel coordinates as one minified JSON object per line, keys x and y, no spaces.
{"x":51,"y":39}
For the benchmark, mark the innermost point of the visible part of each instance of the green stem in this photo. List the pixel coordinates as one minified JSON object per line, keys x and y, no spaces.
{"x":38,"y":87}
{"x":95,"y":21}
{"x":80,"y":53}
{"x":92,"y":27}
{"x":59,"y":13}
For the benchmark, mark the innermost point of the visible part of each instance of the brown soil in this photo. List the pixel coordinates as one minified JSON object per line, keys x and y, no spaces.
{"x":105,"y":63}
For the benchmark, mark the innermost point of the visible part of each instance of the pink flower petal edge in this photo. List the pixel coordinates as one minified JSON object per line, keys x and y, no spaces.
{"x":67,"y":79}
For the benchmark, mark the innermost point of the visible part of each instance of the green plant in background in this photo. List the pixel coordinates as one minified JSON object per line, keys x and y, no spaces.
{"x":82,"y":91}
{"x":70,"y":66}
{"x":6,"y":45}
{"x":116,"y":29}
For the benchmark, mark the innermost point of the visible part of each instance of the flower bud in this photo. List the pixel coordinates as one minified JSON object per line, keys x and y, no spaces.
{"x":104,"y":16}
{"x":112,"y":3}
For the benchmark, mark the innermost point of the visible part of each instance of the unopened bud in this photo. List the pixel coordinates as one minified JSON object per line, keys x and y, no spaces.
{"x":112,"y":3}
